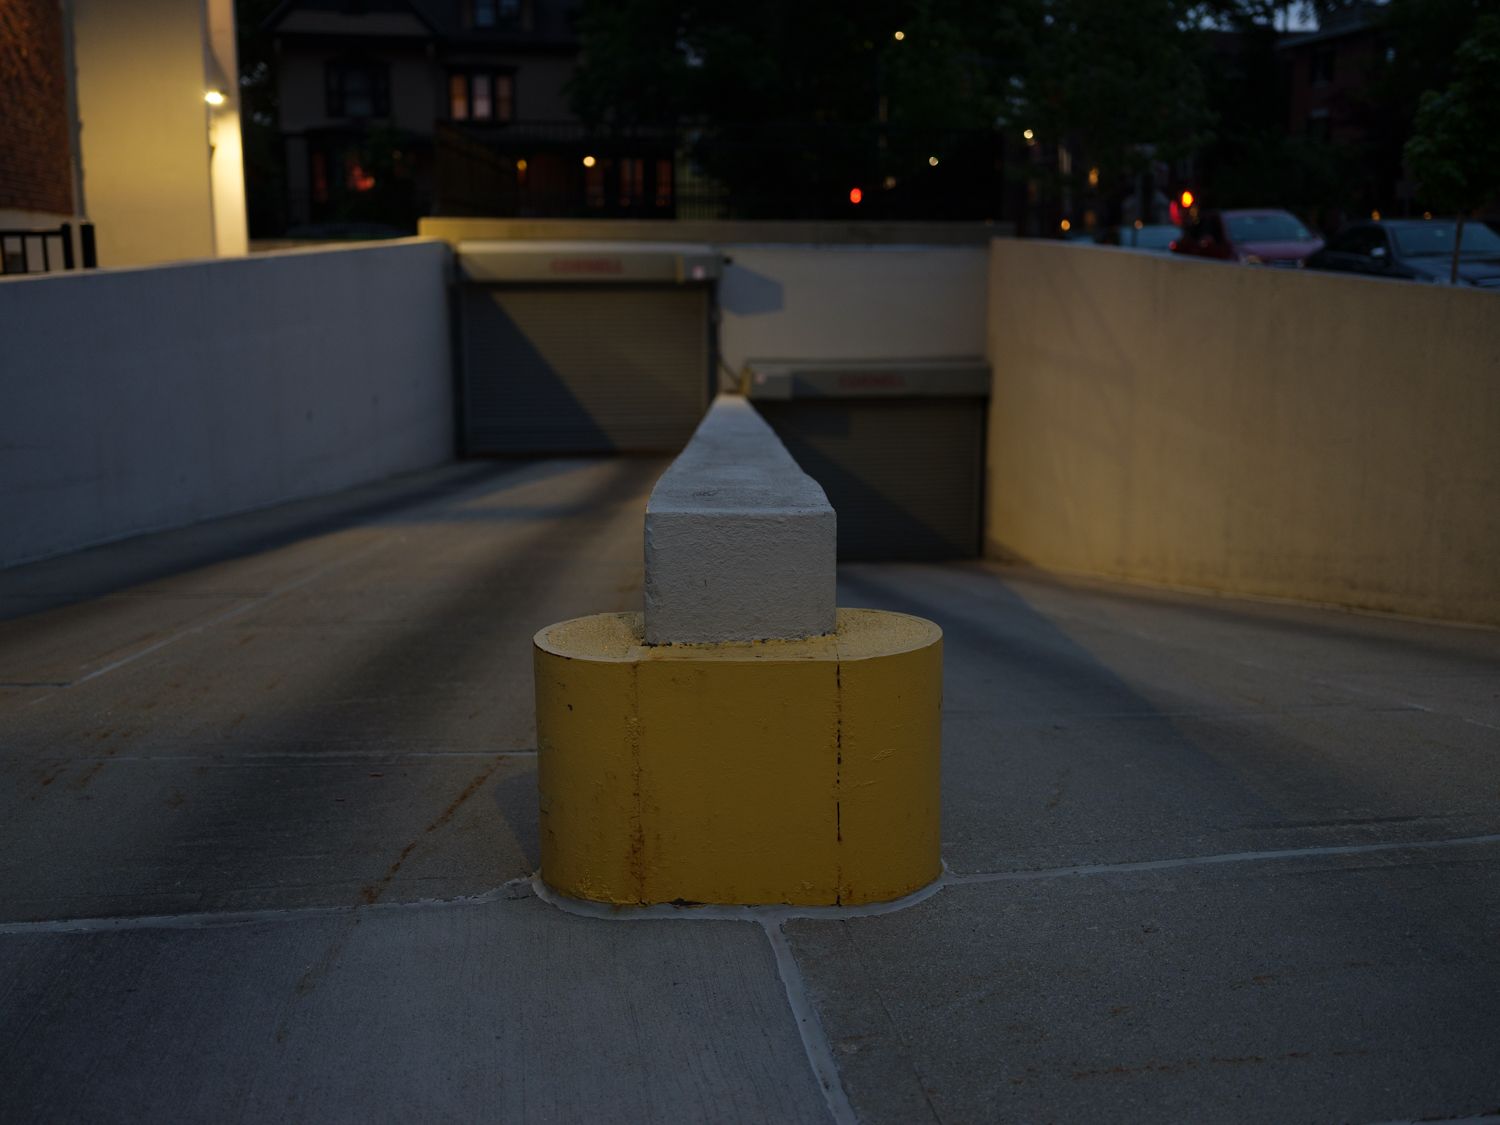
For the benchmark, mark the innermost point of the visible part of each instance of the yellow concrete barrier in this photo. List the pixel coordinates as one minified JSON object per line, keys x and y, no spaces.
{"x":784,"y":771}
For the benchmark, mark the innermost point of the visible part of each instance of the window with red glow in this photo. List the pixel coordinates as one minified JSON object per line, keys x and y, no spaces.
{"x":664,"y":183}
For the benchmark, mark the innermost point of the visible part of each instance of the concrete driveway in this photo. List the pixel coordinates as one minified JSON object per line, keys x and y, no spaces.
{"x":267,"y":827}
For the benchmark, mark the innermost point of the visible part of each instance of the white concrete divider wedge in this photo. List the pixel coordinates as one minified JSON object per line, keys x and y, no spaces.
{"x":740,"y":542}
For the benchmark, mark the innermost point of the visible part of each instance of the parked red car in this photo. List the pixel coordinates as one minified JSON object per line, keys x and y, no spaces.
{"x":1262,"y":237}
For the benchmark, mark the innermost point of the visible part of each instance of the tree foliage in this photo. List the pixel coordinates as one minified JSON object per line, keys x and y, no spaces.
{"x":1454,"y":151}
{"x":826,"y":93}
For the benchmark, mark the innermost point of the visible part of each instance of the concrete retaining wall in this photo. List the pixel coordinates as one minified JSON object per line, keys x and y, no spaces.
{"x":1289,"y":434}
{"x":139,"y":399}
{"x":852,"y":302}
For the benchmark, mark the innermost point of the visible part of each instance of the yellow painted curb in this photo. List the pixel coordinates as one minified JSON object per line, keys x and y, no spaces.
{"x":802,"y":772}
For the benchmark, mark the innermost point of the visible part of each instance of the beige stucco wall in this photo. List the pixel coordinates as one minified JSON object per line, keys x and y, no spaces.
{"x":1289,"y":434}
{"x":161,"y":169}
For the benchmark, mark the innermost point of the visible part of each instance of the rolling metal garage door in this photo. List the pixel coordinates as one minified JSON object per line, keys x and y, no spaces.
{"x":898,"y":448}
{"x":555,"y":364}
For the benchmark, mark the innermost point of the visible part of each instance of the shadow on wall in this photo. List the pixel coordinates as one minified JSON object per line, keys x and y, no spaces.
{"x":904,"y":475}
{"x":584,"y":369}
{"x":743,"y":292}
{"x":514,"y":400}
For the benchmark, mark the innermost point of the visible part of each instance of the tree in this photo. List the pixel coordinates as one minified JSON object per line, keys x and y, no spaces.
{"x":825,"y":96}
{"x":1454,"y":151}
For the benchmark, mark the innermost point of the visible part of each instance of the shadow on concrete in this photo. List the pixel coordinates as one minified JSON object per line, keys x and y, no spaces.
{"x":94,"y":572}
{"x":421,"y":672}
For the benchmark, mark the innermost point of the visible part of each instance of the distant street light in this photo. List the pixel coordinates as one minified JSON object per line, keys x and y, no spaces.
{"x":1066,"y":226}
{"x":933,"y":161}
{"x":589,"y":162}
{"x":1029,"y":135}
{"x":900,"y":35}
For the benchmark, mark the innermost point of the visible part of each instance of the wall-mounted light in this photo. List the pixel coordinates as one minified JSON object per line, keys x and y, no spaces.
{"x":1028,"y":134}
{"x":1066,"y":225}
{"x":900,"y":35}
{"x":933,"y":161}
{"x":589,"y":162}
{"x":214,"y":97}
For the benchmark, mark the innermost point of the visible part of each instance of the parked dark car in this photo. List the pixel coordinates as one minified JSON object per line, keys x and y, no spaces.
{"x":1259,"y":237}
{"x":1415,"y":249}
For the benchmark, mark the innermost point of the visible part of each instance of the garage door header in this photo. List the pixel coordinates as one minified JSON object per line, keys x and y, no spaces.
{"x":676,"y":263}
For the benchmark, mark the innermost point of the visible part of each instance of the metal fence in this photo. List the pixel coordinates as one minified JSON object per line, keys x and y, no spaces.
{"x":42,"y":251}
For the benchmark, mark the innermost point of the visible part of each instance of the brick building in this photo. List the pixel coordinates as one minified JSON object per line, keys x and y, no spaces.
{"x":38,"y":172}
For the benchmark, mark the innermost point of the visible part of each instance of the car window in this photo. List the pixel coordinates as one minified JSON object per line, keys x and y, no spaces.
{"x":1350,"y":241}
{"x":1275,"y":226}
{"x":1437,"y":238}
{"x":1360,"y":240}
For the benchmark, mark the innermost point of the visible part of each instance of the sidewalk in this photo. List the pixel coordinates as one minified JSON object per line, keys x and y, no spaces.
{"x":267,"y":827}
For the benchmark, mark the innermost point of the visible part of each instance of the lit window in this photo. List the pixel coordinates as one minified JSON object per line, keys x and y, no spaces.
{"x":632,"y":181}
{"x":504,"y":97}
{"x":481,"y":95}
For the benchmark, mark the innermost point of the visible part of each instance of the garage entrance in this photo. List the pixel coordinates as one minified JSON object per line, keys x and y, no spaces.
{"x":584,"y":347}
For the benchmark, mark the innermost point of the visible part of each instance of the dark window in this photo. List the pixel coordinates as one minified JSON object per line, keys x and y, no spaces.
{"x":358,"y":88}
{"x":1360,"y":241}
{"x":481,"y":95}
{"x":1321,"y":66}
{"x":493,"y":13}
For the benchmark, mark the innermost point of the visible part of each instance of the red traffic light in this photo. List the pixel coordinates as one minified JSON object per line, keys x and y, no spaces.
{"x":855,"y":195}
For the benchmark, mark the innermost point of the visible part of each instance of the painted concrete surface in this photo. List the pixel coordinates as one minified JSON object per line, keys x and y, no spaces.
{"x":786,"y":771}
{"x":1319,"y":436}
{"x":852,"y":302}
{"x":1207,"y":860}
{"x":740,"y":542}
{"x":207,"y":388}
{"x":495,"y":1011}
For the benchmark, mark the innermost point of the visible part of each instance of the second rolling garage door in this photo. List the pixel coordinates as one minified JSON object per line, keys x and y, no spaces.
{"x":584,"y":349}
{"x":897,"y":445}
